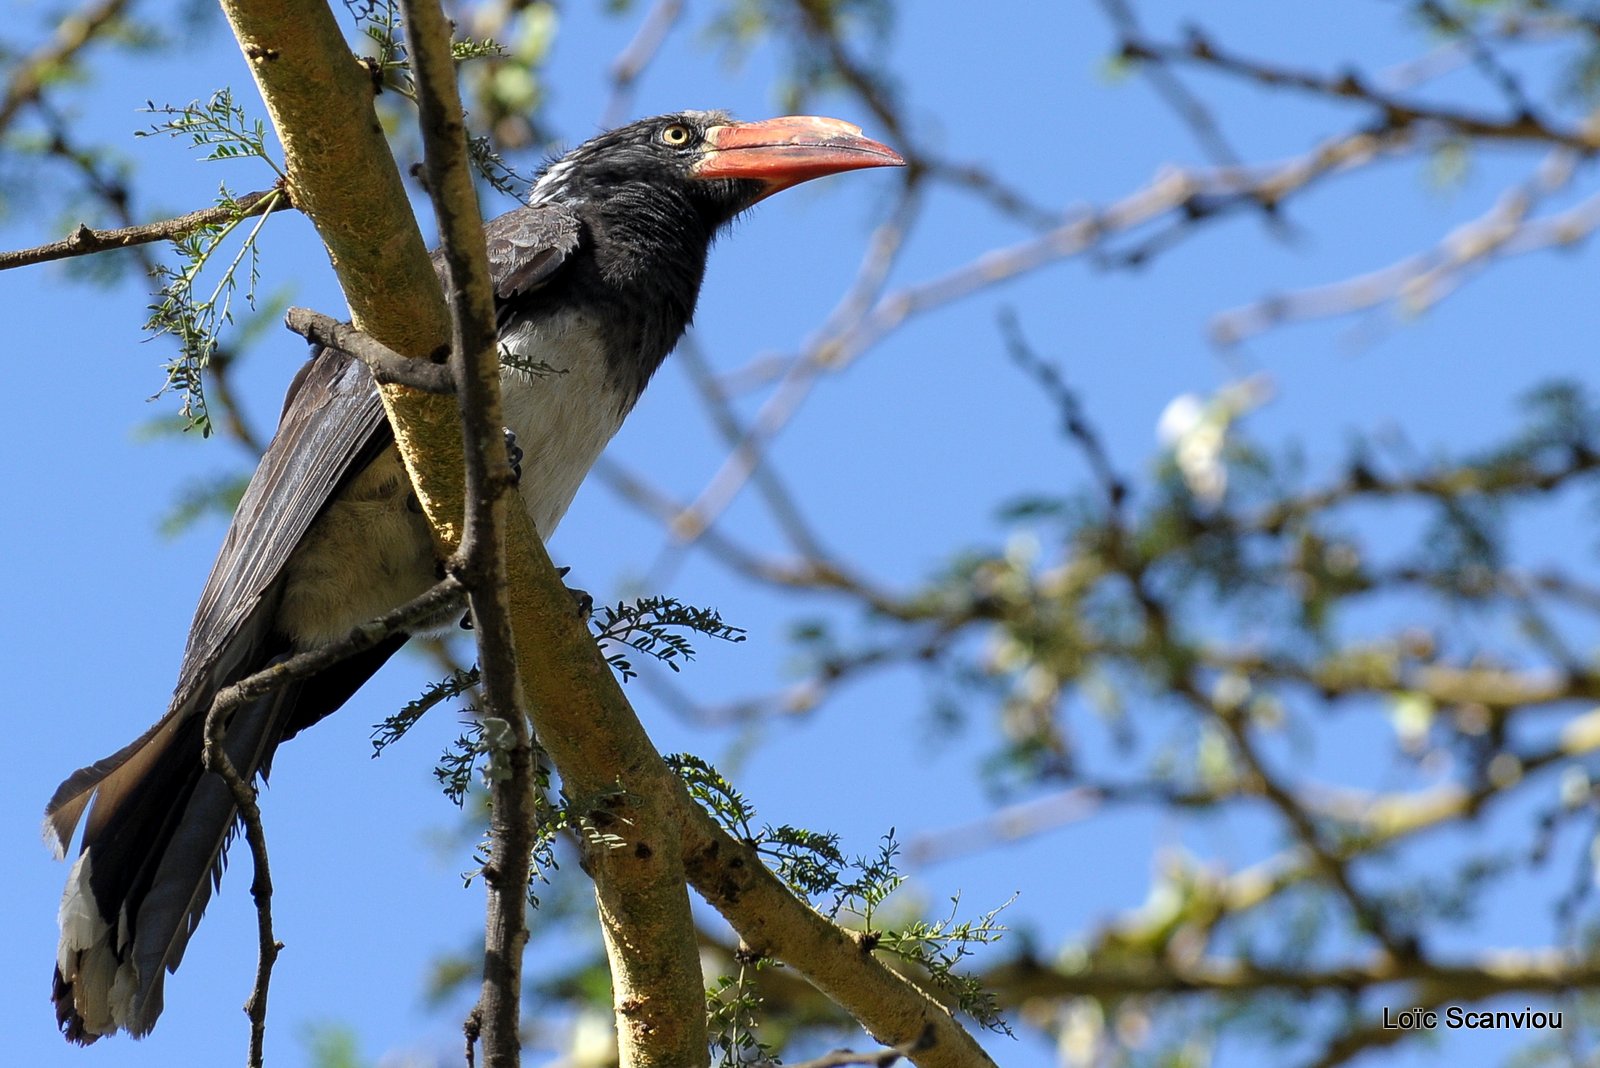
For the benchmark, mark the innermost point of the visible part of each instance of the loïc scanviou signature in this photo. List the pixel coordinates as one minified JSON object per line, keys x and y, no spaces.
{"x":1456,"y":1018}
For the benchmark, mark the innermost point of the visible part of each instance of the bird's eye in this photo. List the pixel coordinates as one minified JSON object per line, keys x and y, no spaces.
{"x":677,"y":135}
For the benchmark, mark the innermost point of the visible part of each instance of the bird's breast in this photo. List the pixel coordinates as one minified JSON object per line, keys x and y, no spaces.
{"x":563,"y":406}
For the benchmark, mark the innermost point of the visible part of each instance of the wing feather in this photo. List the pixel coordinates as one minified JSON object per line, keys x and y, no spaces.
{"x":331,"y":427}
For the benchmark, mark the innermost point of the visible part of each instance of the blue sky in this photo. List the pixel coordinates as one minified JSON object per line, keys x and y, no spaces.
{"x":900,"y":460}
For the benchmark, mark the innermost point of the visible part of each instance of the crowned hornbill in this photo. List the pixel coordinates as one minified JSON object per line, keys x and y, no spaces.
{"x":596,"y":277}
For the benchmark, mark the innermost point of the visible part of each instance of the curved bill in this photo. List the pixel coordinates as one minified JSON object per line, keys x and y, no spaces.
{"x":783,"y":152}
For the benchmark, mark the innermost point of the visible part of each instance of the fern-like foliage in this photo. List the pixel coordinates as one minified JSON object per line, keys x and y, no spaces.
{"x":733,"y":1005}
{"x":394,"y":727}
{"x":652,"y":626}
{"x":381,"y":25}
{"x":219,"y":125}
{"x":938,"y":946}
{"x":183,"y":307}
{"x":814,"y":866}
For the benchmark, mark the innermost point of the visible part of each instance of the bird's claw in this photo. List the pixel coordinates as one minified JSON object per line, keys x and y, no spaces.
{"x":513,"y":454}
{"x":581,"y":598}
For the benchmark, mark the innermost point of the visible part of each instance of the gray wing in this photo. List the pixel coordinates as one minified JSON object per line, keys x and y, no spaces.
{"x":153,"y":847}
{"x":526,"y":248}
{"x":332,"y":425}
{"x":331,"y":420}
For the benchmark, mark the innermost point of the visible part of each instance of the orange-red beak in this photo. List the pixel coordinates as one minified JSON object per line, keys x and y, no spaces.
{"x":783,"y":152}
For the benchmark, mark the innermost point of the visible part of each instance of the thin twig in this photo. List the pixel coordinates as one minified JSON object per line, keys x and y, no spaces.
{"x":110,"y":189}
{"x":1073,"y":421}
{"x":1483,"y":56}
{"x":216,"y":759}
{"x":637,"y":56}
{"x":825,"y":353}
{"x":719,"y":409}
{"x":882,"y":1058}
{"x":230,"y":700}
{"x":444,"y":596}
{"x":480,"y":560}
{"x":84,"y":241}
{"x":73,"y":34}
{"x":1395,"y":112}
{"x":1189,"y":107}
{"x":1422,"y":280}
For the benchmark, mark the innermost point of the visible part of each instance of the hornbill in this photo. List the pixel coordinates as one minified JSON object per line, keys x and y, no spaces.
{"x":596,"y":278}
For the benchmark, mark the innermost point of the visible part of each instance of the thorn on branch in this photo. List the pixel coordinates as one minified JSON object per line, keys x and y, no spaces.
{"x":375,"y":73}
{"x":471,"y":1029}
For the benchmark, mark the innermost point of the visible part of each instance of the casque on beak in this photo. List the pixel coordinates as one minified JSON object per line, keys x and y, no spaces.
{"x":786,"y":151}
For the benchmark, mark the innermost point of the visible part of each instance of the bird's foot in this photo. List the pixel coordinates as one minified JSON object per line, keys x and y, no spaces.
{"x":581,"y":598}
{"x":513,"y":454}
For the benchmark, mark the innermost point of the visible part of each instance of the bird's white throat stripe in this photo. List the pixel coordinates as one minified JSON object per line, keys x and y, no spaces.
{"x":553,"y":183}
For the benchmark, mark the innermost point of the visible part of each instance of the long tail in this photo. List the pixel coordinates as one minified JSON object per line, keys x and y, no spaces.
{"x":154,"y":843}
{"x":152,"y":852}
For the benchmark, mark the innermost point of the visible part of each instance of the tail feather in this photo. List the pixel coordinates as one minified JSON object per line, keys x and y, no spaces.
{"x":153,"y":851}
{"x":191,"y":863}
{"x":155,"y":842}
{"x":109,"y":780}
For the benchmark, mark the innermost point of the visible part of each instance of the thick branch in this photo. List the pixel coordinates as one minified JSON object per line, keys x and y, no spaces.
{"x":343,"y":176}
{"x":774,"y":923}
{"x":644,"y":907}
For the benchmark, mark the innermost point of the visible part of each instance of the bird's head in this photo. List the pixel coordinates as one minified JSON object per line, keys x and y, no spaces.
{"x":718,"y":165}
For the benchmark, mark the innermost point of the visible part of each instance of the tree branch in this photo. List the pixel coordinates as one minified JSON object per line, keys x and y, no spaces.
{"x":632,"y":61}
{"x":1493,"y":974}
{"x":230,"y":700}
{"x":1396,"y":112}
{"x":773,"y":922}
{"x":342,"y":175}
{"x":387,"y":366}
{"x":83,"y":241}
{"x":480,"y":560}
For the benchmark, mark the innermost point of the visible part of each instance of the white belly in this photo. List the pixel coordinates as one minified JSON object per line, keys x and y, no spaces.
{"x":562,"y":418}
{"x":370,"y":551}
